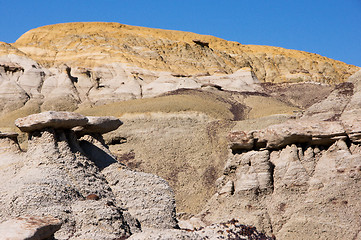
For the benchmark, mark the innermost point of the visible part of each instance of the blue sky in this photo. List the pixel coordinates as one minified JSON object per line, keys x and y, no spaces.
{"x":331,"y":28}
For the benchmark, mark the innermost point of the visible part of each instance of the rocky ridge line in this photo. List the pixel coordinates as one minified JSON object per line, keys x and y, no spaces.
{"x":95,"y":44}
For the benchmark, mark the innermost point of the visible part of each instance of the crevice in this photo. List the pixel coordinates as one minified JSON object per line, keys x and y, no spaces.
{"x":42,"y":80}
{"x":271,"y":171}
{"x":73,"y":79}
{"x":236,"y":150}
{"x":116,"y":140}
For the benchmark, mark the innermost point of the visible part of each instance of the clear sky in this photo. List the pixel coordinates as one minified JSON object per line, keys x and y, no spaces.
{"x":331,"y":28}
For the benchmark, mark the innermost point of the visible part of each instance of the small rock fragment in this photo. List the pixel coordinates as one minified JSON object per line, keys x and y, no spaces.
{"x":92,"y":197}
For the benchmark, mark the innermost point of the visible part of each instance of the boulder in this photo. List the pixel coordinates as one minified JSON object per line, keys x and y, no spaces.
{"x":50,"y":119}
{"x":29,"y":228}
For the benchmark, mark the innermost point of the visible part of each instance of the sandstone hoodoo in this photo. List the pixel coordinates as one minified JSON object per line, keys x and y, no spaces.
{"x":208,"y":139}
{"x":59,"y":177}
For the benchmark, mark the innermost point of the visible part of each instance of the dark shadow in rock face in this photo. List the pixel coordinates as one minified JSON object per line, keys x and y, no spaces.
{"x":97,"y":155}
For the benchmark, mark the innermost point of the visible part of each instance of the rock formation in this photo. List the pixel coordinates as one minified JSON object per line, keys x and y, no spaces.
{"x":264,"y":135}
{"x":297,"y":179}
{"x":68,"y":185}
{"x":59,"y":176}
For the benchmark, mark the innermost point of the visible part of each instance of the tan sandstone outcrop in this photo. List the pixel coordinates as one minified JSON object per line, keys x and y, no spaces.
{"x":155,"y":49}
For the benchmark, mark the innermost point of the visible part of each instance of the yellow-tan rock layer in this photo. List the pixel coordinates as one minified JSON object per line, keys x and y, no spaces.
{"x":97,"y":44}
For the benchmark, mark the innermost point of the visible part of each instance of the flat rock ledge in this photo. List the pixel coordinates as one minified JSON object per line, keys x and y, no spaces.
{"x":322,"y":133}
{"x":29,"y":228}
{"x":67,"y":120}
{"x":50,"y":119}
{"x":11,"y":135}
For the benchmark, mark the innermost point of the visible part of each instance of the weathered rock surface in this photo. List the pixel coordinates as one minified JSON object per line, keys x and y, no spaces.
{"x":29,"y":228}
{"x":147,"y":197}
{"x":12,"y":135}
{"x":55,"y":178}
{"x":9,"y":142}
{"x":231,"y":229}
{"x":227,"y":230}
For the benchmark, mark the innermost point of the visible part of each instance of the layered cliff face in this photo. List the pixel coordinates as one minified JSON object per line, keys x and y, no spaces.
{"x":77,"y":65}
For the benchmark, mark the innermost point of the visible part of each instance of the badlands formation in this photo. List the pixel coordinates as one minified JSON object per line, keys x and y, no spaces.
{"x":209,"y":139}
